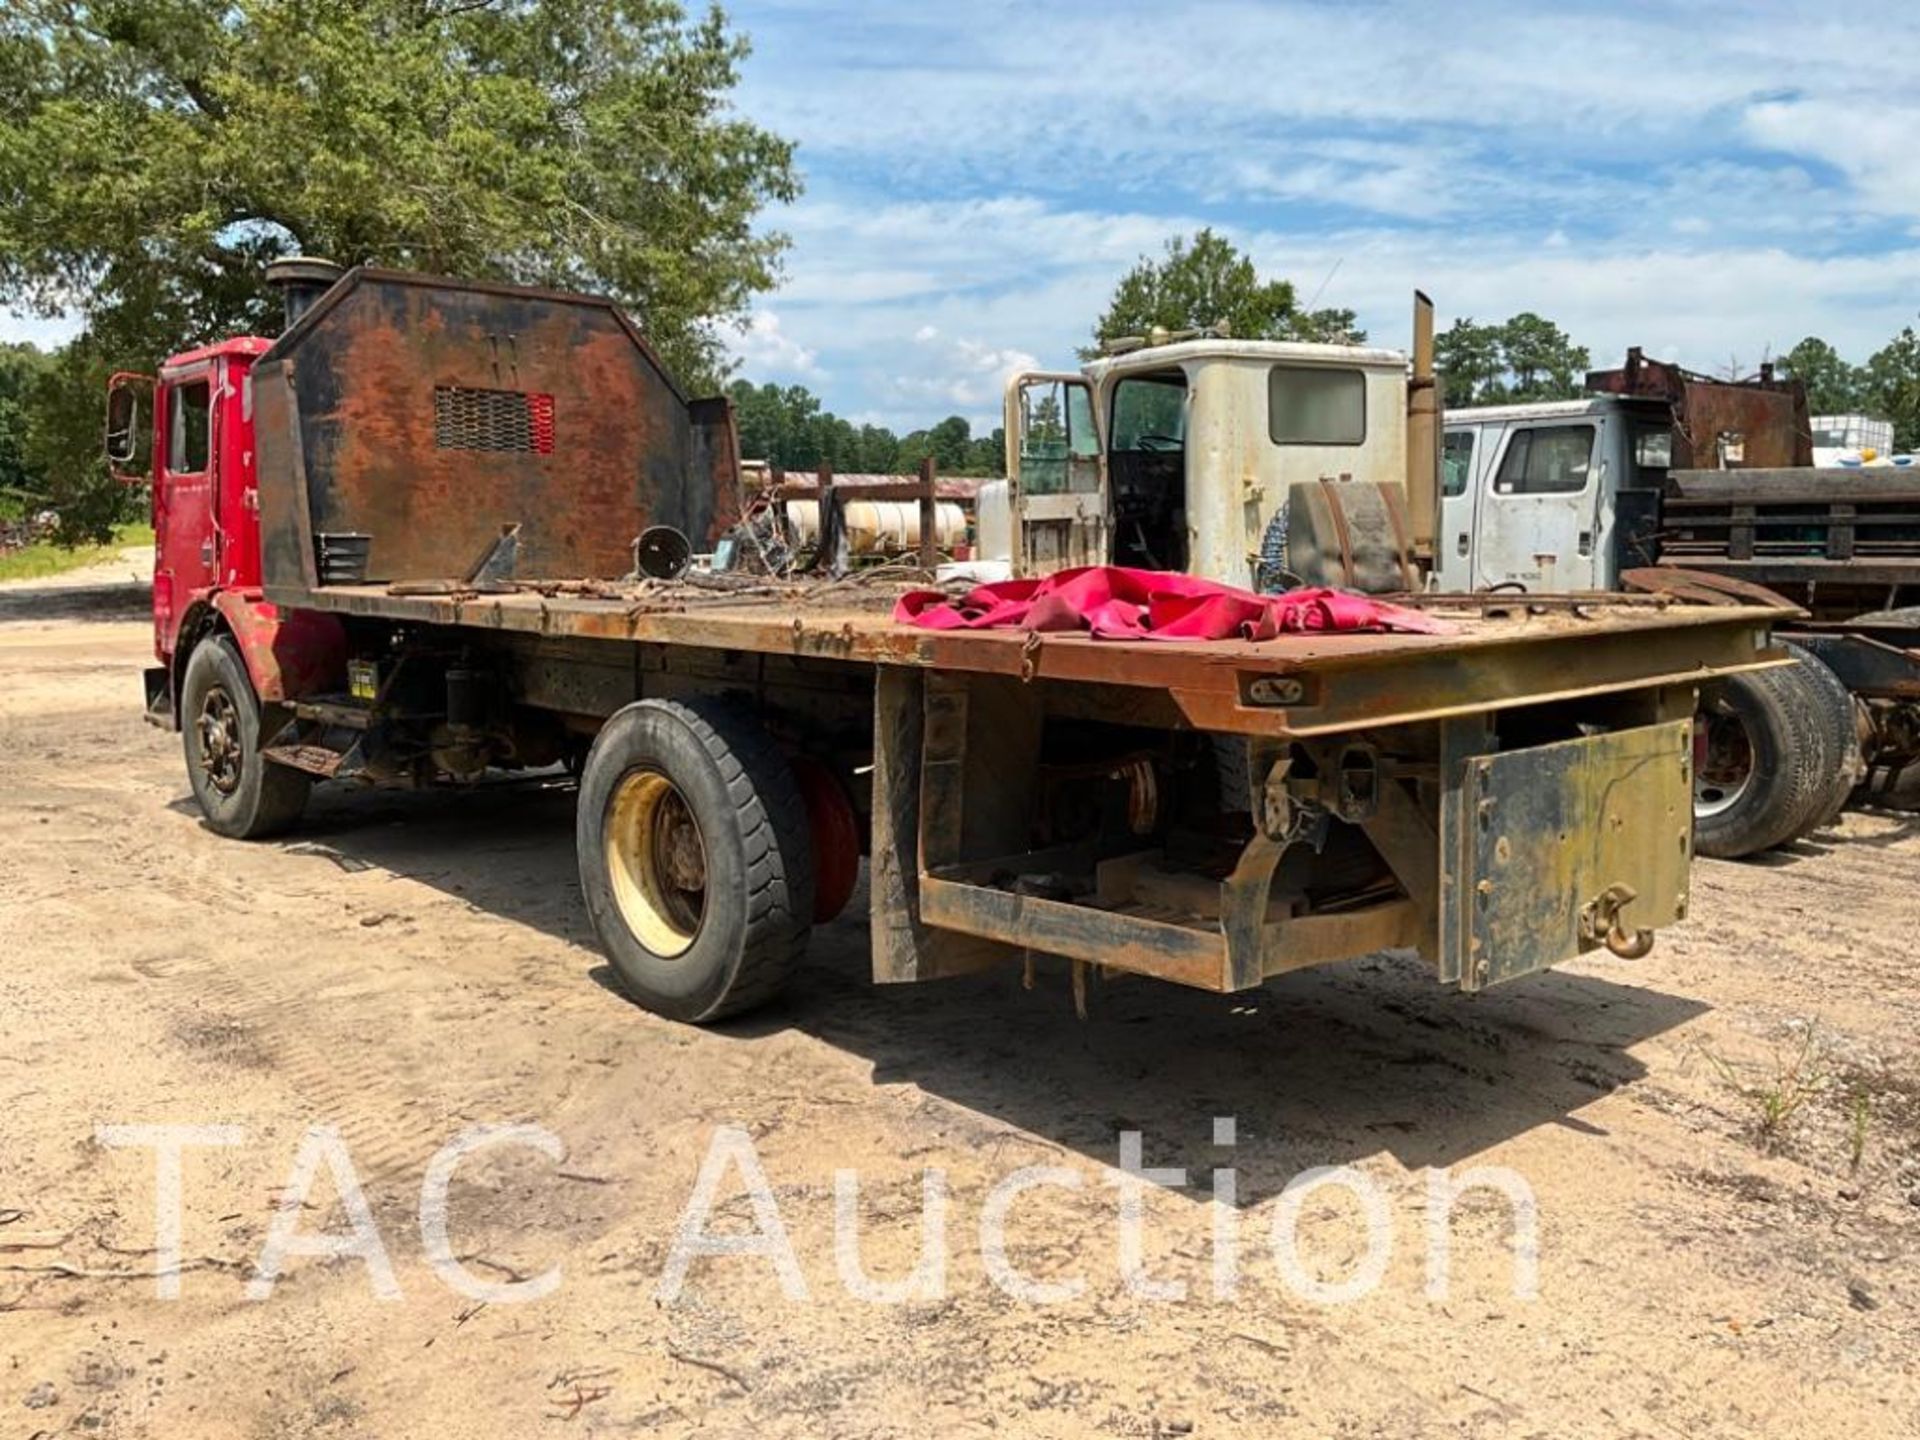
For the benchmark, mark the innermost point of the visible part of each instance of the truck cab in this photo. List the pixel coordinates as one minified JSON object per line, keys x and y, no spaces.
{"x":189,"y":430}
{"x":1179,"y":456}
{"x":1550,"y":497}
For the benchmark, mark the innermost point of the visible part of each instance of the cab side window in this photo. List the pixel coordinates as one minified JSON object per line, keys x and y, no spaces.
{"x":1547,"y":460}
{"x":189,"y":431}
{"x":1456,"y":463}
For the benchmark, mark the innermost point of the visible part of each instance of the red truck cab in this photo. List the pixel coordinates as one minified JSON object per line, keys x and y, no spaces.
{"x":206,"y":522}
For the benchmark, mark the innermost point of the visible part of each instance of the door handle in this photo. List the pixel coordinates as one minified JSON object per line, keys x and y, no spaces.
{"x":1586,"y":542}
{"x":206,"y":552}
{"x":1464,"y":543}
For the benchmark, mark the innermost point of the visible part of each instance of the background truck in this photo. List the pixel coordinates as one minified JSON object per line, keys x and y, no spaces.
{"x":406,"y":543}
{"x":1713,"y":480}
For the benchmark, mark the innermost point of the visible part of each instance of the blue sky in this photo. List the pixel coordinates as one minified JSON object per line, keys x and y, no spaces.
{"x":1711,"y":180}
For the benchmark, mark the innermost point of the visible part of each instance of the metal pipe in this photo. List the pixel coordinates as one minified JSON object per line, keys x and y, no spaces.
{"x":301,"y":280}
{"x":1423,"y":437}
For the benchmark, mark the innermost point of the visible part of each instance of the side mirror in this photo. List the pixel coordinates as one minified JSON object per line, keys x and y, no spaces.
{"x":129,"y":430}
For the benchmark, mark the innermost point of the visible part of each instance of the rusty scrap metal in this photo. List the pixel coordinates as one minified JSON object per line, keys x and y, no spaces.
{"x":1719,"y":424}
{"x":1697,"y":587}
{"x":426,"y":414}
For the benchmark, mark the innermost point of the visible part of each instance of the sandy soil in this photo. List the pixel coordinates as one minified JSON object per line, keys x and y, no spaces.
{"x":409,"y":966}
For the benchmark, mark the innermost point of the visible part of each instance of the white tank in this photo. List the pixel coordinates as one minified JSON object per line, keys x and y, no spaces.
{"x":881,"y":527}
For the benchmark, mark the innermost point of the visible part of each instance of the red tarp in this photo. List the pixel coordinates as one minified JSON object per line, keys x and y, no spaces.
{"x":1116,"y":603}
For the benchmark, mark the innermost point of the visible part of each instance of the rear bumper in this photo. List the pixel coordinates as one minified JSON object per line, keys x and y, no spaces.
{"x":1498,"y":858}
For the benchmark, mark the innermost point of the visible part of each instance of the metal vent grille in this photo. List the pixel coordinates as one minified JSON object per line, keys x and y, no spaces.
{"x":501,"y":422}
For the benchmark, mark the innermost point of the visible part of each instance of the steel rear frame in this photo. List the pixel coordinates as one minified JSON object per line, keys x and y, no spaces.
{"x":1499,"y":799}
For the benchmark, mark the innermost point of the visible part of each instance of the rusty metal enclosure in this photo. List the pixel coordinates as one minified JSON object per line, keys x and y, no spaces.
{"x":1719,"y":425}
{"x":406,"y":423}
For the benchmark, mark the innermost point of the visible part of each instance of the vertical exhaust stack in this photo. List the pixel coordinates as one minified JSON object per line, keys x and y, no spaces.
{"x":301,"y":280}
{"x":1423,"y":437}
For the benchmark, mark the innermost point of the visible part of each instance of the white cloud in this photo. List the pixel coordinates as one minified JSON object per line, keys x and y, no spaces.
{"x":1704,"y":181}
{"x":914,"y":359}
{"x":1874,"y":140}
{"x":1701,"y":304}
{"x":766,"y":351}
{"x":967,"y":376}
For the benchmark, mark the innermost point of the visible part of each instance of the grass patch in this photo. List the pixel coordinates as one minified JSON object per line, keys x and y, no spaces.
{"x":38,"y":561}
{"x":1776,"y":1094}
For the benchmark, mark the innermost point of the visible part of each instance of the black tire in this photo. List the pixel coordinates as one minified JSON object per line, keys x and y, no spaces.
{"x":242,"y":794}
{"x":1792,"y":759}
{"x":732,"y":948}
{"x":1843,"y":734}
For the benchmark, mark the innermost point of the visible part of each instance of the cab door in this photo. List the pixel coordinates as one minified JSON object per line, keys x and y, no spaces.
{"x":1463,"y":454}
{"x":1538,"y":513}
{"x":1056,"y":473}
{"x":186,"y":519}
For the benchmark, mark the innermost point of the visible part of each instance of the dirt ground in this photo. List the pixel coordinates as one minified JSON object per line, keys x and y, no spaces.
{"x":1723,"y":1140}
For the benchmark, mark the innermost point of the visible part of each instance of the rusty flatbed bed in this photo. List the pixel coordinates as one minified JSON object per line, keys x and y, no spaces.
{"x":1503,"y":650}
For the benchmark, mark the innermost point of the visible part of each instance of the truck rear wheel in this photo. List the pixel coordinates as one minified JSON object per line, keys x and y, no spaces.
{"x":242,"y":794}
{"x":1765,"y":762}
{"x":694,"y":858}
{"x":1843,"y":734}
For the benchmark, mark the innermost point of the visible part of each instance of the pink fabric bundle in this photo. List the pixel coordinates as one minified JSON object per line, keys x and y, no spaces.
{"x":1115,"y":603}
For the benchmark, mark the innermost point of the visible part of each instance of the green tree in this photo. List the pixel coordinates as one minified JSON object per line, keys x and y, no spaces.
{"x":778,"y":424}
{"x":787,"y":427}
{"x":1206,"y":281}
{"x":1524,"y":359}
{"x":1542,"y":360}
{"x":1834,"y":386}
{"x":1892,"y":387}
{"x":23,"y":369}
{"x":155,"y":154}
{"x":1467,"y":357}
{"x":950,"y":443}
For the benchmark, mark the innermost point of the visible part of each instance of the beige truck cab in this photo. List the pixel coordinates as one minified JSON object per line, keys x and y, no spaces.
{"x":1180,"y":455}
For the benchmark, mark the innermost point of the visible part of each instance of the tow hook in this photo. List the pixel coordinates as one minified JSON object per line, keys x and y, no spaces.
{"x":1600,"y":922}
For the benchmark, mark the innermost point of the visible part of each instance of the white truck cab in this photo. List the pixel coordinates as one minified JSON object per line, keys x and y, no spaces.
{"x":1177,"y":456}
{"x":1546,"y":496}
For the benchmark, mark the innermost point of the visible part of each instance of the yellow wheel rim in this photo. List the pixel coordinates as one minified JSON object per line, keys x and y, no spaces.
{"x":657,"y":862}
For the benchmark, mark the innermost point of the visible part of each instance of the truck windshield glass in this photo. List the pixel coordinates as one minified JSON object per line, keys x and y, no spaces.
{"x":1147,"y":471}
{"x":1316,"y":405}
{"x":1056,"y":430}
{"x":1456,"y":463}
{"x":1150,"y":413}
{"x":1549,"y":460}
{"x":187,"y":429}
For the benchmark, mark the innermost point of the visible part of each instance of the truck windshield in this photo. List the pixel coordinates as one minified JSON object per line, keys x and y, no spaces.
{"x":1150,"y":413}
{"x":1147,"y":469}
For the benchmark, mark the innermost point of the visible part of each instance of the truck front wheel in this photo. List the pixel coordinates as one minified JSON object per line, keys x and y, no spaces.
{"x":694,"y":857}
{"x":243,"y":795}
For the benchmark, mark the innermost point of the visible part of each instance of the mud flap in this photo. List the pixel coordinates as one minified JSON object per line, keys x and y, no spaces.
{"x":1567,"y":847}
